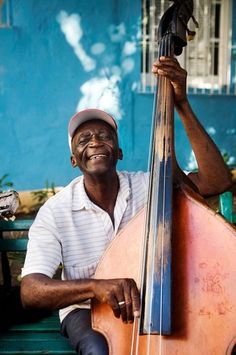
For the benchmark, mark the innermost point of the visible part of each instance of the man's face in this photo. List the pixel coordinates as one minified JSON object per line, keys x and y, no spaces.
{"x":95,"y":148}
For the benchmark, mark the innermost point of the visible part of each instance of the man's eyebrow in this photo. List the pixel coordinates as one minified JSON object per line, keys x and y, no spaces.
{"x":86,"y":133}
{"x":100,"y":130}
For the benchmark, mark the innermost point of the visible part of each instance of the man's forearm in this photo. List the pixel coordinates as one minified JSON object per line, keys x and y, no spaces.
{"x":39,"y":291}
{"x":213,"y":175}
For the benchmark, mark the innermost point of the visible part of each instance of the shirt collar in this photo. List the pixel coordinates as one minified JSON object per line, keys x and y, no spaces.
{"x":80,"y":199}
{"x":124,"y":190}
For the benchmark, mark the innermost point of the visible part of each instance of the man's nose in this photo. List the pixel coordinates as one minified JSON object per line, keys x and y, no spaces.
{"x":94,"y":139}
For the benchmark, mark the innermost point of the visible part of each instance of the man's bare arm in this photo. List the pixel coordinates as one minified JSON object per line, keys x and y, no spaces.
{"x":40,"y":291}
{"x":213,"y":176}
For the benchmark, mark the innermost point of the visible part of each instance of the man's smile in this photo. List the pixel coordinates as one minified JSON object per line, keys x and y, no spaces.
{"x":97,"y":156}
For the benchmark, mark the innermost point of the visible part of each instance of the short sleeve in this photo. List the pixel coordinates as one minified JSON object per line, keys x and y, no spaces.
{"x":44,"y":248}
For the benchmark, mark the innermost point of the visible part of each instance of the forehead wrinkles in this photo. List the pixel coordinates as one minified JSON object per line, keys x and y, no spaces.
{"x":94,"y":124}
{"x":89,"y":131}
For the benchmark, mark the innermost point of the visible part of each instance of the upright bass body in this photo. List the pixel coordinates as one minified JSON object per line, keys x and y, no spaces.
{"x":194,"y":252}
{"x":203,"y":285}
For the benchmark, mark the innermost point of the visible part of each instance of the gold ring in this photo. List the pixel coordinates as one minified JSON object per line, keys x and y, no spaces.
{"x":121,"y":303}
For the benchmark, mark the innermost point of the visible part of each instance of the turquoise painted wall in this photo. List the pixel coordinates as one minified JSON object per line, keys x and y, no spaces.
{"x":63,"y":55}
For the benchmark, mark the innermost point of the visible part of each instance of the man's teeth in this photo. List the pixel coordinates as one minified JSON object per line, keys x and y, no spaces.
{"x":97,"y":156}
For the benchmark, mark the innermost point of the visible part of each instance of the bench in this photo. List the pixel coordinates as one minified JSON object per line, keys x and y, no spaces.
{"x":226,"y":206}
{"x":24,"y":332}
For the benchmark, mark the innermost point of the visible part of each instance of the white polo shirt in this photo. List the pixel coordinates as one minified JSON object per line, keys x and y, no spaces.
{"x":71,"y":230}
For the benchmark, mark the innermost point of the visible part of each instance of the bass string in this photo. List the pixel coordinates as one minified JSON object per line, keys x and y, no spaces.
{"x":135,"y":344}
{"x":163,"y":125}
{"x":168,"y":138}
{"x":164,"y":49}
{"x":158,"y":156}
{"x":136,"y":326}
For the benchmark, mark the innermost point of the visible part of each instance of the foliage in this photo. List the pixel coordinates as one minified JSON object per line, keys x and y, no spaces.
{"x":41,"y":196}
{"x":5,"y":183}
{"x":229,"y":160}
{"x":226,"y":157}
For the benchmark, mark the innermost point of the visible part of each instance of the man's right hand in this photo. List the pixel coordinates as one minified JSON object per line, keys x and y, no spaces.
{"x":122,"y":295}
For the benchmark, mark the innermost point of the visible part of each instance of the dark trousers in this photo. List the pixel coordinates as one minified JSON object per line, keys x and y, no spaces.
{"x":77,"y":327}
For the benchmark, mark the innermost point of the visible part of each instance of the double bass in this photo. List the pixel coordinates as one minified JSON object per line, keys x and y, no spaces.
{"x":180,"y":252}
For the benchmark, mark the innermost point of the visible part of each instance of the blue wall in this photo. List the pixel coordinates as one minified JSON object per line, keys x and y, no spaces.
{"x":63,"y":55}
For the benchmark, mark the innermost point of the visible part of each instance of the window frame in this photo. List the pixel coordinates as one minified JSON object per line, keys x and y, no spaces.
{"x":208,"y":81}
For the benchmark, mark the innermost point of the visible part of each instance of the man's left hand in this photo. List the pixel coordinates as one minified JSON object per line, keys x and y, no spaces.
{"x":170,"y":68}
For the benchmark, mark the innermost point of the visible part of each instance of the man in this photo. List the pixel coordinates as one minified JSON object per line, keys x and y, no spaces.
{"x":75,"y":226}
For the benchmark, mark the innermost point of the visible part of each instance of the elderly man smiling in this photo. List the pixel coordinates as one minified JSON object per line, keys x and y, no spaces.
{"x":75,"y":227}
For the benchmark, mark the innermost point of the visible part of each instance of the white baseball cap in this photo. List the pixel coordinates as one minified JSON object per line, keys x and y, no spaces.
{"x":87,"y":115}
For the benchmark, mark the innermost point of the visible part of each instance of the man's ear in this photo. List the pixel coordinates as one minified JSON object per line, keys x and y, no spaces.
{"x":120,"y":154}
{"x":73,"y":161}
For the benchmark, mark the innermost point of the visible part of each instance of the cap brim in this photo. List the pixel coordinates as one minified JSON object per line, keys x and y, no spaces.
{"x":87,"y":115}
